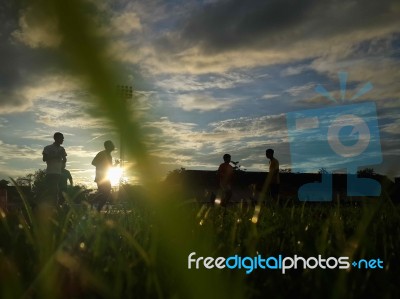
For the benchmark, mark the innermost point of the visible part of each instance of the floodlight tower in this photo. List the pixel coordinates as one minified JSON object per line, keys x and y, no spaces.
{"x":125,"y":93}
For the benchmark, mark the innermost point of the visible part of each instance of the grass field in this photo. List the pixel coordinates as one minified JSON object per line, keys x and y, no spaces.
{"x":141,"y":250}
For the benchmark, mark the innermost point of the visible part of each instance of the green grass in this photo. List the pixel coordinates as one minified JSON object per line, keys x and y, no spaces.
{"x":136,"y":252}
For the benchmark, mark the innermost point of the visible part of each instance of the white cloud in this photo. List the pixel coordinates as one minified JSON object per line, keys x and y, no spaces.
{"x":294,"y":70}
{"x":69,"y":116}
{"x":37,"y":135}
{"x":53,"y":86}
{"x":6,"y":172}
{"x":24,"y":152}
{"x":203,"y":103}
{"x":198,"y":83}
{"x":80,"y":152}
{"x":269,"y":96}
{"x":299,"y":90}
{"x":37,"y":29}
{"x":59,"y":101}
{"x":175,"y":135}
{"x":126,"y":23}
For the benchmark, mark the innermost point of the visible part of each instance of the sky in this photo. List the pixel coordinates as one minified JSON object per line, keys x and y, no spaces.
{"x":210,"y":77}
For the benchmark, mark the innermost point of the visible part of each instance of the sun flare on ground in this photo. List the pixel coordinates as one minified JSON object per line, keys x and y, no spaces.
{"x":114,"y":175}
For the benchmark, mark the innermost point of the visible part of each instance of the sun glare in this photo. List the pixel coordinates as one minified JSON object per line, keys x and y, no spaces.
{"x":114,"y":175}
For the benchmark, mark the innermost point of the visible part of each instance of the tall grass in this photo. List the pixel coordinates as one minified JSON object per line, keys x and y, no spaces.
{"x":125,"y":253}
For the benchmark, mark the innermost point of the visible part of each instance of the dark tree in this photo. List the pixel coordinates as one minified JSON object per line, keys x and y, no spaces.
{"x":4,"y":183}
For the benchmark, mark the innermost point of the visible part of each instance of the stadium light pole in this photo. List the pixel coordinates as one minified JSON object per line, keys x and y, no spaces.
{"x":125,"y":93}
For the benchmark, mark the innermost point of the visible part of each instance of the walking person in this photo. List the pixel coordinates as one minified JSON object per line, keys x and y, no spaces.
{"x":273,"y":179}
{"x":103,"y":162}
{"x":225,"y":176}
{"x":54,"y":155}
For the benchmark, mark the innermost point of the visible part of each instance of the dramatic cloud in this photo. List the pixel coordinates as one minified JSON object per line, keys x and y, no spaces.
{"x":234,"y":24}
{"x":224,"y":25}
{"x":209,"y":76}
{"x":225,"y":35}
{"x":187,"y":145}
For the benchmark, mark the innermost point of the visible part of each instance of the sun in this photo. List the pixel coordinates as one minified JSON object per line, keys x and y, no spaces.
{"x":114,"y":175}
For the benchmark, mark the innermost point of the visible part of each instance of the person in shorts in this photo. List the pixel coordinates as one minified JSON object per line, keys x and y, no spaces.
{"x":103,"y":162}
{"x":55,"y":156}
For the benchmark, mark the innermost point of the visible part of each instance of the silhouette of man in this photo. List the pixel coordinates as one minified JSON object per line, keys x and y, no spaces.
{"x":54,"y":155}
{"x":63,"y":184}
{"x":225,"y":176}
{"x":103,"y":162}
{"x":273,"y":179}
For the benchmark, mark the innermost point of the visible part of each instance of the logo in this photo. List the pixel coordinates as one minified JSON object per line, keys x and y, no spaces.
{"x":340,"y":137}
{"x":280,"y":263}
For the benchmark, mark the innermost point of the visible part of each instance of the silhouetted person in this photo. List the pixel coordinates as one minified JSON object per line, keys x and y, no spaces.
{"x":273,"y":180}
{"x":103,"y":163}
{"x":225,"y":176}
{"x":63,"y":184}
{"x":54,"y":155}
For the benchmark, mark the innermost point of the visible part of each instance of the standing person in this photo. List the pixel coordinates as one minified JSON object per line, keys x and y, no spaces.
{"x":103,"y":162}
{"x":54,"y":155}
{"x":225,"y":176}
{"x":273,"y":179}
{"x":63,"y":184}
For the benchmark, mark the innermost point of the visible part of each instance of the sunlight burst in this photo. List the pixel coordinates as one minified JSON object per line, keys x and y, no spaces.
{"x":114,"y":175}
